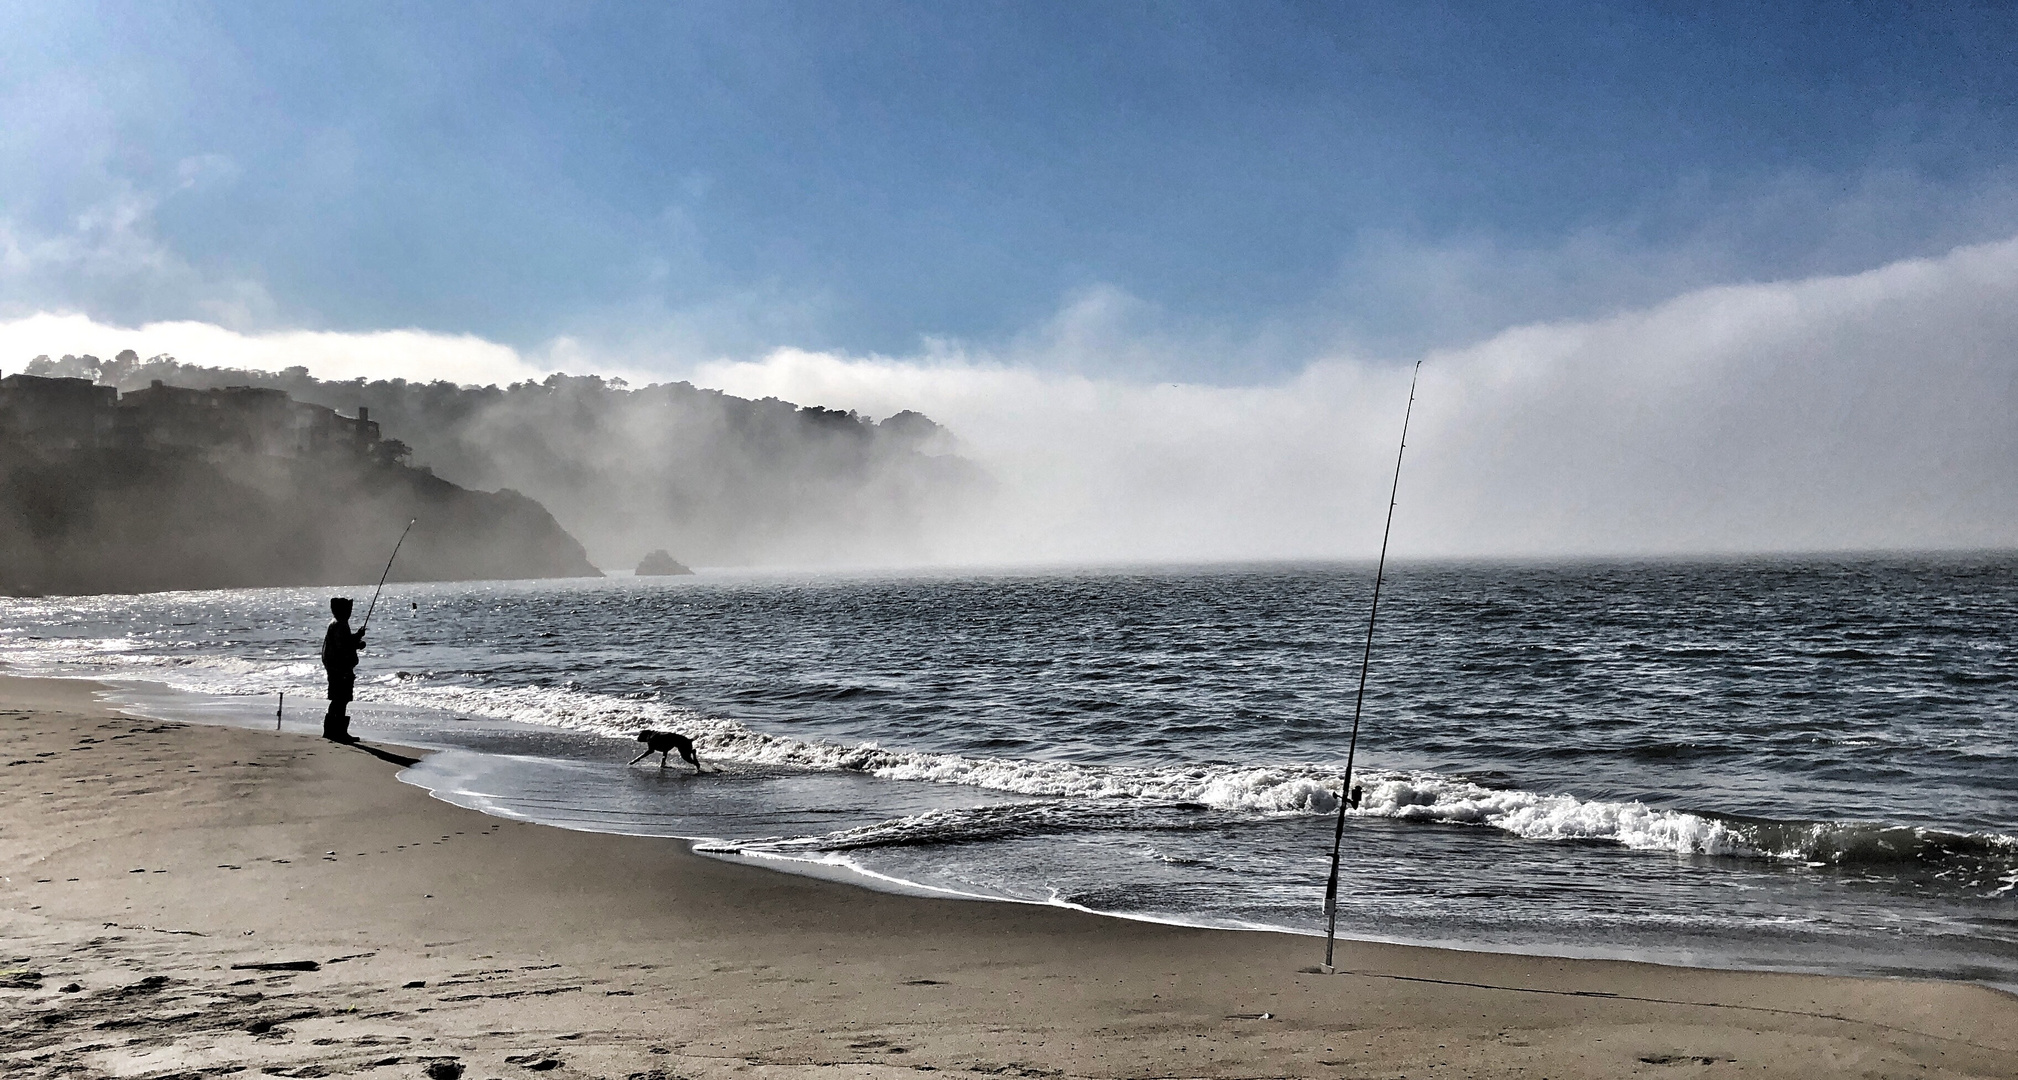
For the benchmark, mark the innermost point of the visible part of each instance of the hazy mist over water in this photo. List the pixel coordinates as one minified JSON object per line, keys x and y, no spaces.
{"x":1866,"y":412}
{"x":1862,"y":412}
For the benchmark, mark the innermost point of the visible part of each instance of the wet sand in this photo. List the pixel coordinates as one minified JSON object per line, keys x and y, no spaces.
{"x":155,"y":873}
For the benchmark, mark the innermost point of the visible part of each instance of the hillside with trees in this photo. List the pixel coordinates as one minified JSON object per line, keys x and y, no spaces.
{"x":176,"y":488}
{"x":716,"y":479}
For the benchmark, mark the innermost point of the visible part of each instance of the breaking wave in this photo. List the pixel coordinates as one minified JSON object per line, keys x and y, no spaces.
{"x":1086,"y":797}
{"x":1081,"y":796}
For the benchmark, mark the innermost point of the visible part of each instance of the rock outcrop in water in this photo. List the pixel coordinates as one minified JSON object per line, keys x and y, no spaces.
{"x":175,"y":488}
{"x":661,"y":563}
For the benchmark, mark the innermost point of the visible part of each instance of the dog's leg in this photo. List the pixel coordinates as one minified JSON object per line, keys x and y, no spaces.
{"x":641,"y":757}
{"x":664,"y":757}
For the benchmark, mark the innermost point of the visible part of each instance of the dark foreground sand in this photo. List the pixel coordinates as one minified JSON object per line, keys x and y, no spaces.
{"x":150,"y":866}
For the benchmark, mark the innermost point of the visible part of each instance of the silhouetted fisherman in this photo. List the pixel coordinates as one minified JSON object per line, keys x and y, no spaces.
{"x":339,"y":658}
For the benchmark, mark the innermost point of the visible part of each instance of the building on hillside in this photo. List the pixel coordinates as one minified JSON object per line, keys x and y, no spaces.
{"x":244,"y":417}
{"x":59,"y":414}
{"x":72,"y":414}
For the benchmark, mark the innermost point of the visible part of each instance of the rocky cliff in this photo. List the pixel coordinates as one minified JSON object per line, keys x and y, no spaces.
{"x":216,"y":493}
{"x":722,"y":480}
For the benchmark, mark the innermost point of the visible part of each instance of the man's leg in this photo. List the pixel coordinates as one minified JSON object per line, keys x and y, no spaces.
{"x":336,"y":722}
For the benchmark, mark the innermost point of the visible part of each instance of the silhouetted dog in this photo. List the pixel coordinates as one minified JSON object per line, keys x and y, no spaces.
{"x":663,"y":743}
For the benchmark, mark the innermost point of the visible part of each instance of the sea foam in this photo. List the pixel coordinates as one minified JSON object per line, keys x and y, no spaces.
{"x":1275,"y":788}
{"x":1285,"y":788}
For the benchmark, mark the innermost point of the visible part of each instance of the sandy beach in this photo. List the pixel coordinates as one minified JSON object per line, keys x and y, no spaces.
{"x":186,"y":900}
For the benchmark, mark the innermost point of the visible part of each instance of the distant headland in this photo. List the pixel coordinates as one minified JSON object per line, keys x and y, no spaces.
{"x":171,"y":487}
{"x":722,"y":480}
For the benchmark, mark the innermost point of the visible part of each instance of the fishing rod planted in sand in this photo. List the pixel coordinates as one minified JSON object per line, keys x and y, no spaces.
{"x":1359,"y":703}
{"x":381,"y":578}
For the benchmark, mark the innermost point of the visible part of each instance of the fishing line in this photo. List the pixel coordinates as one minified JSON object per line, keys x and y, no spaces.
{"x":381,"y":578}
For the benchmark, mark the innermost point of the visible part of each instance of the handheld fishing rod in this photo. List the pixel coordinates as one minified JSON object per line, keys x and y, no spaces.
{"x":1359,"y":703}
{"x":381,"y":578}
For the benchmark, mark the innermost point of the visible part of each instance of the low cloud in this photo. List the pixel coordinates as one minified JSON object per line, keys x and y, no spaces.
{"x":1398,"y":293}
{"x":1865,"y":411}
{"x":380,"y":354}
{"x":1852,"y":412}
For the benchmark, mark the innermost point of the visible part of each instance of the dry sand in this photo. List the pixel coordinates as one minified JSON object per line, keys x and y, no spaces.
{"x":151,"y":867}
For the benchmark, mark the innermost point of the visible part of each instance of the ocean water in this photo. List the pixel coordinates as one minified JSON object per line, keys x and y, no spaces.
{"x":1786,"y":764}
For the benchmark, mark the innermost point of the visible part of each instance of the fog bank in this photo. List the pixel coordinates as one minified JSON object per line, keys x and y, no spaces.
{"x":1867,"y":411}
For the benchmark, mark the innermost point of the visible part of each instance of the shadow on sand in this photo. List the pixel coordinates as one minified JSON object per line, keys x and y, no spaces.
{"x":400,"y":760}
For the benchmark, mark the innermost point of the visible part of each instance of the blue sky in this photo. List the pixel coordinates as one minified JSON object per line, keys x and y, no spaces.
{"x":1248,"y":184}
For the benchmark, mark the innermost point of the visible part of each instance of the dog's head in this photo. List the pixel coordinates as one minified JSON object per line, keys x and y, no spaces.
{"x":647,"y":736}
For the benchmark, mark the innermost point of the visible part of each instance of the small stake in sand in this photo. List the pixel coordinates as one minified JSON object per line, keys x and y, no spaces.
{"x":1359,"y":704}
{"x":277,"y":706}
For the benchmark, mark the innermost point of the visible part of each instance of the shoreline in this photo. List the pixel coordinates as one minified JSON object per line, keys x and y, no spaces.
{"x":146,"y":858}
{"x":1199,"y":791}
{"x":154,"y":699}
